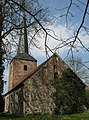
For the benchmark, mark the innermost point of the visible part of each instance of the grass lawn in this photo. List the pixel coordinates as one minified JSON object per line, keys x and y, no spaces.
{"x":82,"y":116}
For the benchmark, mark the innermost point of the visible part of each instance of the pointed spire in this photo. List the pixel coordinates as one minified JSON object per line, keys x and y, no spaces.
{"x":23,"y":41}
{"x":25,"y":37}
{"x":22,"y":52}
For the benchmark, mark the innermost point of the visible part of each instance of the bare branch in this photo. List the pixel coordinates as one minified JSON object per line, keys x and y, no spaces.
{"x":68,"y":11}
{"x":83,"y":19}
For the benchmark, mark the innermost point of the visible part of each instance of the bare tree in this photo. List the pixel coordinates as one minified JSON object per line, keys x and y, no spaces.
{"x":68,"y":15}
{"x":75,"y":42}
{"x":36,"y":19}
{"x":27,"y":9}
{"x":79,"y":67}
{"x":1,"y":50}
{"x":12,"y":13}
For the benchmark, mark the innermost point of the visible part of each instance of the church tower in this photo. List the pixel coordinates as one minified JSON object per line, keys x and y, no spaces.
{"x":23,"y":63}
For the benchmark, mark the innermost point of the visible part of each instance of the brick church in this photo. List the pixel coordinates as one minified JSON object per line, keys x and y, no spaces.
{"x":29,"y":87}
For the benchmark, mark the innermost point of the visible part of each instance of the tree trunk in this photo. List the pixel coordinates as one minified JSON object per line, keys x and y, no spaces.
{"x":1,"y":52}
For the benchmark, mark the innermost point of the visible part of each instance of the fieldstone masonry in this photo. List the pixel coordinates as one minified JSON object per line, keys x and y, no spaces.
{"x":33,"y":94}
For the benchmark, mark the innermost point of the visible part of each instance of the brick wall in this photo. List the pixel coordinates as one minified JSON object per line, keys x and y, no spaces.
{"x":17,"y":72}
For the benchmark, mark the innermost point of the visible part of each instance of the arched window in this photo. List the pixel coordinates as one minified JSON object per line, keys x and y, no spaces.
{"x":25,"y":67}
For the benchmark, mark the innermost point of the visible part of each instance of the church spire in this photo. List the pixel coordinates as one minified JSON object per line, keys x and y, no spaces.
{"x":22,"y":51}
{"x":23,"y":41}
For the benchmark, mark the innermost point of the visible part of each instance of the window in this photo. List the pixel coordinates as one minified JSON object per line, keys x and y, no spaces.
{"x":25,"y":67}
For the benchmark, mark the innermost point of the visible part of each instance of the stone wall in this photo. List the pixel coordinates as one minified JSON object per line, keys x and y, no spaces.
{"x":38,"y":88}
{"x":6,"y":103}
{"x":35,"y":96}
{"x":14,"y":102}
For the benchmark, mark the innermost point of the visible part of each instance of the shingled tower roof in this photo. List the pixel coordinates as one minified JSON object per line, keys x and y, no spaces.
{"x":22,"y":52}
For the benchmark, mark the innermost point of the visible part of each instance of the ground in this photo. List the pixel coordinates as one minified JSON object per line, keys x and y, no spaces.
{"x":81,"y":116}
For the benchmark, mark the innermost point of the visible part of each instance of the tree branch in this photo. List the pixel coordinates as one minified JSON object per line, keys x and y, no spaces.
{"x":83,"y":19}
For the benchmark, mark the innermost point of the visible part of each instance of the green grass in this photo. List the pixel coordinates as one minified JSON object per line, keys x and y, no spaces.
{"x":82,"y":116}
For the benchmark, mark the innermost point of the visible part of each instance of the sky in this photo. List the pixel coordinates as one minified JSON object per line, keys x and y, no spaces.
{"x":61,"y":31}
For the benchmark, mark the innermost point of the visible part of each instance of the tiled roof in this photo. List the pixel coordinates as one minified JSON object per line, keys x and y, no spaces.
{"x":24,"y":56}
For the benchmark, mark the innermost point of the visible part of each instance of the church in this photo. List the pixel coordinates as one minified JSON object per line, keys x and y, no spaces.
{"x":30,"y":86}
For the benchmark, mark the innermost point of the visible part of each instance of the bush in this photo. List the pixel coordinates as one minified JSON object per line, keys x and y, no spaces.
{"x":69,"y":96}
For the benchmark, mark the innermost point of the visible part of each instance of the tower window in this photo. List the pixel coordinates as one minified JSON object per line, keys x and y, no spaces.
{"x":25,"y":67}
